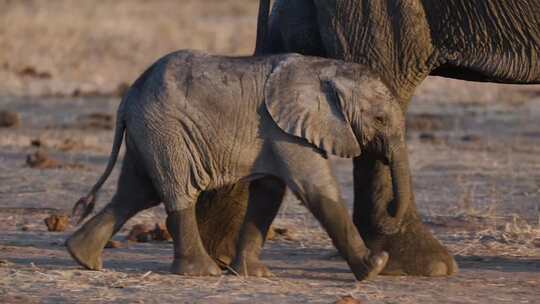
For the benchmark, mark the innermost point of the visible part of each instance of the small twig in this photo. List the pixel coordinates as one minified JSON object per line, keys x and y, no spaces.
{"x":45,"y":275}
{"x":242,"y":278}
{"x":229,"y":268}
{"x":464,"y":249}
{"x":145,"y":275}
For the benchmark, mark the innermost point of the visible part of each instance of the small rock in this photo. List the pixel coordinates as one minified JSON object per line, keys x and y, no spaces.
{"x":57,"y":223}
{"x":271,"y":235}
{"x":279,"y":233}
{"x":348,"y":300}
{"x":140,"y":233}
{"x":431,"y":138}
{"x":37,"y":143}
{"x":9,"y":119}
{"x":160,"y":233}
{"x":25,"y":228}
{"x":334,"y":256}
{"x":103,"y":121}
{"x":488,"y":239}
{"x":427,"y":137}
{"x":89,"y":92}
{"x":33,"y":73}
{"x":59,"y":243}
{"x":40,"y":160}
{"x":69,"y":144}
{"x":113,"y":244}
{"x":4,"y":263}
{"x":284,"y":233}
{"x":471,"y":138}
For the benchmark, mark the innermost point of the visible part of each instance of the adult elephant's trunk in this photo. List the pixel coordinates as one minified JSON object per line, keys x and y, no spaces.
{"x":401,"y":180}
{"x":390,"y":219}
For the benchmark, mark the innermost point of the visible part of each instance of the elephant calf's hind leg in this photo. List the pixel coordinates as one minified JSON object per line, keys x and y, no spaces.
{"x":190,"y":257}
{"x":265,"y":197}
{"x":135,"y":193}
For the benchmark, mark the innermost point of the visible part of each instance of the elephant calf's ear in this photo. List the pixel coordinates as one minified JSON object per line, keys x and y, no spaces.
{"x":301,"y":106}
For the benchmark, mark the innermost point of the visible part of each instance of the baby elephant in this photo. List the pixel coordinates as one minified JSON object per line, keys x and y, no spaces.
{"x":194,"y":122}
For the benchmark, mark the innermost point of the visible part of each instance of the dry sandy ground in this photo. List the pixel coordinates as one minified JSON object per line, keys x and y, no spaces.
{"x":475,"y":156}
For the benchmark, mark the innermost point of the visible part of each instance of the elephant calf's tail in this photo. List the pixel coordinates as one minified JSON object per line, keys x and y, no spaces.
{"x":86,"y":204}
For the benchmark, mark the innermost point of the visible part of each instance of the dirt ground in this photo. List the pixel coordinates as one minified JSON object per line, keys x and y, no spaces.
{"x":475,"y":157}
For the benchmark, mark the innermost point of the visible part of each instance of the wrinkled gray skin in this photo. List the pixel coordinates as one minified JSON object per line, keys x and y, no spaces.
{"x":404,"y":41}
{"x":195,"y":122}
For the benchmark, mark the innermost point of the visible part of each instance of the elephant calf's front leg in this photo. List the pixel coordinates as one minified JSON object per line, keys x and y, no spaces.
{"x":314,"y":184}
{"x":190,"y":257}
{"x":333,"y":216}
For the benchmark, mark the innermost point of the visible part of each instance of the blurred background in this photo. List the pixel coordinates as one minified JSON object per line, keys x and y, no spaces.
{"x":57,"y":47}
{"x":63,"y":47}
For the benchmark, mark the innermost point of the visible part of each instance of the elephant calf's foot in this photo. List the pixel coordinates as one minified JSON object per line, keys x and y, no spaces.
{"x":251,"y":269}
{"x":195,"y":267}
{"x":370,"y":266}
{"x":84,"y":253}
{"x":86,"y":244}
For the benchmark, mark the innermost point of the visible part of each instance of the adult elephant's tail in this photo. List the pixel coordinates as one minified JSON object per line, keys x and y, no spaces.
{"x":86,"y":204}
{"x":262,"y":25}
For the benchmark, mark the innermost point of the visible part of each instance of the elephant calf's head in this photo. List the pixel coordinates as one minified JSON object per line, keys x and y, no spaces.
{"x":372,"y":113}
{"x":343,"y":110}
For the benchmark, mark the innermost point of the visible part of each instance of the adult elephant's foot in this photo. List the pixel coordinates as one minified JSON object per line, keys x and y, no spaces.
{"x":220,"y":214}
{"x":86,"y":244}
{"x":413,"y":249}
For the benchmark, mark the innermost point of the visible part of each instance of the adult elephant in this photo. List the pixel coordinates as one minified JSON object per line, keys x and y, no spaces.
{"x":403,"y":41}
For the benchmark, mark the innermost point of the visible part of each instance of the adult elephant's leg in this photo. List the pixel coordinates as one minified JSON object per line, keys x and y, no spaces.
{"x":413,"y":250}
{"x":220,"y":214}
